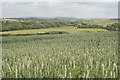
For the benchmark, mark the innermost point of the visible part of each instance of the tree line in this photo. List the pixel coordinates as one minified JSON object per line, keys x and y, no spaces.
{"x":30,"y":24}
{"x":23,"y":24}
{"x":111,"y":27}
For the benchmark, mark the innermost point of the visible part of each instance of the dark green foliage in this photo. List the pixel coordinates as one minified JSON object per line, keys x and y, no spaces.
{"x":34,"y":23}
{"x":57,"y":32}
{"x":31,"y":24}
{"x":113,"y":27}
{"x":89,"y":26}
{"x":51,"y":32}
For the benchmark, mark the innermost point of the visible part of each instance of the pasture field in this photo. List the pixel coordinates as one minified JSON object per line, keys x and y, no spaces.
{"x":102,"y":22}
{"x":68,"y":29}
{"x":80,"y":55}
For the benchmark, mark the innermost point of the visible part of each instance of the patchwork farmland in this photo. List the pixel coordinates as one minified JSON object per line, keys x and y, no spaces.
{"x":59,"y":51}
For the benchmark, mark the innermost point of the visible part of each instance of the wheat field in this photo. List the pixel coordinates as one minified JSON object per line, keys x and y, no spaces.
{"x":83,"y":55}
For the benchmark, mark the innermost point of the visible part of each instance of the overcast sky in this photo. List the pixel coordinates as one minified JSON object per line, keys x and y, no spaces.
{"x":59,"y":0}
{"x":60,"y":9}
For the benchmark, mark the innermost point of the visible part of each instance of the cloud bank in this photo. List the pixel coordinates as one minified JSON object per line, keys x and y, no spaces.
{"x":59,"y":0}
{"x":60,"y":9}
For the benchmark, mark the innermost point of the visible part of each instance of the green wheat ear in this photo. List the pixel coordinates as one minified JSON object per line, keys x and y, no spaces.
{"x":84,"y":55}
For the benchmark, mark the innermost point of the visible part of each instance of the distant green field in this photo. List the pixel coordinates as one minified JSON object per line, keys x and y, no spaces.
{"x":103,"y":23}
{"x":68,"y":29}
